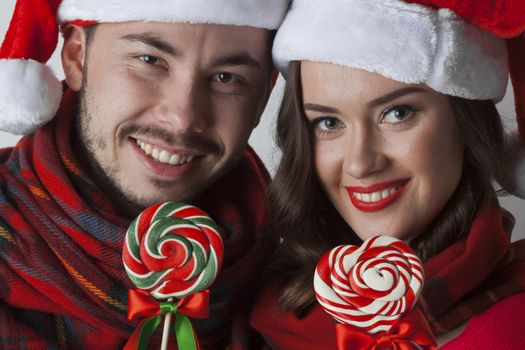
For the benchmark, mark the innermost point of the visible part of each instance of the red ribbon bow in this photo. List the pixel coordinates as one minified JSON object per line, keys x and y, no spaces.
{"x":409,"y":333}
{"x":142,"y":304}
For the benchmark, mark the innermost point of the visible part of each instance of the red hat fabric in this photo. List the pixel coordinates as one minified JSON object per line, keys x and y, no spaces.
{"x":503,"y":18}
{"x":29,"y":91}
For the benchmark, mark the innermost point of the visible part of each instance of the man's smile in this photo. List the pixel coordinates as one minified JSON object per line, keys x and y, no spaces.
{"x":162,"y":155}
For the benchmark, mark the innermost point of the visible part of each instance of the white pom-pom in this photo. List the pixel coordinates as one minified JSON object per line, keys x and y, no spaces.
{"x":512,"y":176}
{"x":30,"y":95}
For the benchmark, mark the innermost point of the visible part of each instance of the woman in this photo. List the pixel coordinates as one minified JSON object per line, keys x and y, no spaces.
{"x":388,"y":126}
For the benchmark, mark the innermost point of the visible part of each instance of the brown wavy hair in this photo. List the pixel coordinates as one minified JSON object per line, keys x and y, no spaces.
{"x":304,"y":225}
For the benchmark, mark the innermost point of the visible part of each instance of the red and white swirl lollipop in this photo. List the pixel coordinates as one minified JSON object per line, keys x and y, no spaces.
{"x":172,"y":250}
{"x":372,"y":286}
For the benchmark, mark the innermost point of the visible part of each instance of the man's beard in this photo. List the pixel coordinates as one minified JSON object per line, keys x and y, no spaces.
{"x":108,"y":176}
{"x":92,"y":142}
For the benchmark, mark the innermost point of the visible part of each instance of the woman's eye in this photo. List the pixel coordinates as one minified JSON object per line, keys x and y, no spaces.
{"x":148,"y":59}
{"x":326,"y":125}
{"x":397,"y":114}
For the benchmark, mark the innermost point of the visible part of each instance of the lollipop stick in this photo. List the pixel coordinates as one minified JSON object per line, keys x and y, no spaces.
{"x":166,"y":331}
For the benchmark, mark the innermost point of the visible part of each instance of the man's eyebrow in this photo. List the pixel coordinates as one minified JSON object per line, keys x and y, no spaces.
{"x":395,"y":94}
{"x":320,"y":108}
{"x":239,"y":59}
{"x":153,"y":41}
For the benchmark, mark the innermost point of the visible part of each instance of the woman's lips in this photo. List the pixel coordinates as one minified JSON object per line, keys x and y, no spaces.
{"x":377,"y":196}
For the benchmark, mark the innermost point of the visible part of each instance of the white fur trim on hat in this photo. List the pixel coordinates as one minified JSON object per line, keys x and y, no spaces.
{"x":29,"y":95}
{"x":254,"y":13}
{"x":405,"y":42}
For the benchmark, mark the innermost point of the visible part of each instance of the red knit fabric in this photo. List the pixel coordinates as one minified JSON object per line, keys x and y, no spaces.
{"x":315,"y":330}
{"x":500,"y":327}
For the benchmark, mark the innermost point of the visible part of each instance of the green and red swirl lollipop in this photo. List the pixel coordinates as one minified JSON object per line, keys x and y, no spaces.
{"x":173,"y":253}
{"x":173,"y":250}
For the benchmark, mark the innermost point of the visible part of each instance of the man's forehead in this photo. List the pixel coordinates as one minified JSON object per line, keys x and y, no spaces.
{"x":179,"y":39}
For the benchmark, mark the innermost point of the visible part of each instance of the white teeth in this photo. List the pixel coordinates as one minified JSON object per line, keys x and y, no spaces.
{"x":155,"y":154}
{"x":375,"y":196}
{"x":164,"y":156}
{"x":174,"y":159}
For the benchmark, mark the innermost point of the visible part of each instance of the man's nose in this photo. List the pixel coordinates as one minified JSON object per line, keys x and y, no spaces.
{"x":364,"y":155}
{"x":184,"y":104}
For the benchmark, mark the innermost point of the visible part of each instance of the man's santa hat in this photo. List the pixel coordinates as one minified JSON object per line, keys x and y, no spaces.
{"x":29,"y":91}
{"x":463,"y":48}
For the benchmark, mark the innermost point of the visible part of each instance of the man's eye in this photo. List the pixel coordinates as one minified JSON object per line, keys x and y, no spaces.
{"x":148,"y":59}
{"x":224,"y":77}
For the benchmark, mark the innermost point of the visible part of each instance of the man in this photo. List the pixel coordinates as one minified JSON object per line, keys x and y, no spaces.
{"x":158,"y":103}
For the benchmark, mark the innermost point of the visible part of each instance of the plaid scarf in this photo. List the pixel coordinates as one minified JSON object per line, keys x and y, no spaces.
{"x":475,"y":273}
{"x":63,"y":284}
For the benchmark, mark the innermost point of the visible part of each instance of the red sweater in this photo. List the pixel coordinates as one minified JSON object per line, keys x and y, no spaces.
{"x":500,"y":327}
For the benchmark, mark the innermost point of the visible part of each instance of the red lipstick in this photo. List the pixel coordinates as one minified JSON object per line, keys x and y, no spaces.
{"x":400,"y":185}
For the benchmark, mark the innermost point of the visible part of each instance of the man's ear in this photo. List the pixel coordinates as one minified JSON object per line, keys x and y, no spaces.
{"x":74,"y":55}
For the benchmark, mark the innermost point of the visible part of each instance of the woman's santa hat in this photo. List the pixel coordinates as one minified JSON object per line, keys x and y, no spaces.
{"x":462,"y":48}
{"x":29,"y":91}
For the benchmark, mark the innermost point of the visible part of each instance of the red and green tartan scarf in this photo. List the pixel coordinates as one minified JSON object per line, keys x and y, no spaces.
{"x":474,"y":273}
{"x":63,"y":284}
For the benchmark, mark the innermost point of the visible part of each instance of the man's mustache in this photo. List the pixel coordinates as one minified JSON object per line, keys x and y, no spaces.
{"x":191,"y":141}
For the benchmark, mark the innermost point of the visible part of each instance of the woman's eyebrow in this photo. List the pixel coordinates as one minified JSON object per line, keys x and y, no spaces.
{"x":320,"y":108}
{"x":395,"y":94}
{"x":375,"y":102}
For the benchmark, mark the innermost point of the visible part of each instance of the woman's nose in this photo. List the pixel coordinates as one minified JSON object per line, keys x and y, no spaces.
{"x":364,"y":155}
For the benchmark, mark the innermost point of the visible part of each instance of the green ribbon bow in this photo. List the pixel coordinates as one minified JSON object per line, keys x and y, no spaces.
{"x":183,"y":328}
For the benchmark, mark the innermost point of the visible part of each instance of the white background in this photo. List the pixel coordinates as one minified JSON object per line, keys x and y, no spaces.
{"x":262,"y":137}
